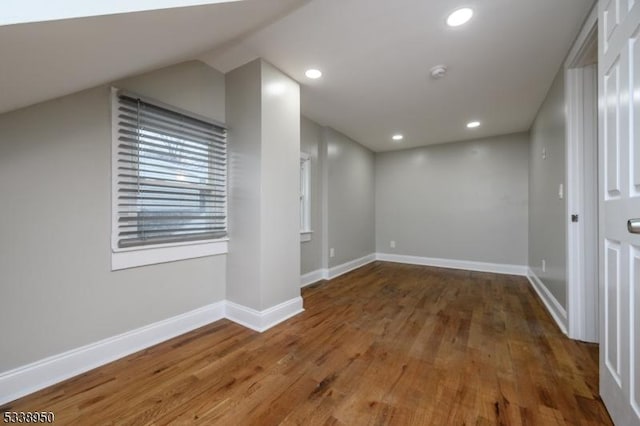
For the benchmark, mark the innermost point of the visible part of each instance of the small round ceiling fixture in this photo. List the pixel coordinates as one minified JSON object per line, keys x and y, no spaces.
{"x":460,"y":17}
{"x":313,"y":74}
{"x":438,"y":72}
{"x":473,"y":124}
{"x":397,"y":137}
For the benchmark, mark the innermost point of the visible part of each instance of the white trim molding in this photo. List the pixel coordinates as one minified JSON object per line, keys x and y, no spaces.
{"x":580,"y":43}
{"x":467,"y":265}
{"x":32,"y":377}
{"x":336,"y":271}
{"x":161,"y":254}
{"x":331,"y":273}
{"x":38,"y":375}
{"x":558,"y":313}
{"x":313,"y":277}
{"x":263,"y":320}
{"x":581,"y":134}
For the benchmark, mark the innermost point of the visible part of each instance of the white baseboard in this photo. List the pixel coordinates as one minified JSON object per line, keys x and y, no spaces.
{"x":496,"y":268}
{"x":554,"y":307}
{"x":46,"y":372}
{"x":30,"y":378}
{"x":313,"y":277}
{"x":336,"y":271}
{"x":263,"y":320}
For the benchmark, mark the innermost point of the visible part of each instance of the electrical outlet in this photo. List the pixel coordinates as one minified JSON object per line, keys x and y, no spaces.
{"x":544,"y":265}
{"x":332,"y":252}
{"x":392,"y":244}
{"x":561,"y":191}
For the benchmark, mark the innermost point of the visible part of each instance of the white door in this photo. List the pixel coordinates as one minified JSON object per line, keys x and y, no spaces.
{"x":619,"y":254}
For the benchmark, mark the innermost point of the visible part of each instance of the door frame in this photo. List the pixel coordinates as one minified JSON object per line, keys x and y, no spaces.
{"x":582,"y":300}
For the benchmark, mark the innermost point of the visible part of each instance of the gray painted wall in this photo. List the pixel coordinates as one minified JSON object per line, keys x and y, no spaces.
{"x":243,"y":87}
{"x":464,"y":201}
{"x":263,"y":111}
{"x":57,"y":290}
{"x":350,"y":198}
{"x":311,"y":142}
{"x":547,"y":212}
{"x":280,"y":187}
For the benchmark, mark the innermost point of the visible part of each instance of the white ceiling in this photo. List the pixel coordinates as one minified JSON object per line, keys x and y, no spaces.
{"x":40,"y":61}
{"x":376,"y":56}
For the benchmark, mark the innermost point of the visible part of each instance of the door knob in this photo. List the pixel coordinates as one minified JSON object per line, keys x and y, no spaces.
{"x":633,"y":225}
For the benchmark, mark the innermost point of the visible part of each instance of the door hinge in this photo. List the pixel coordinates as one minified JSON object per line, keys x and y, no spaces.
{"x":574,"y":218}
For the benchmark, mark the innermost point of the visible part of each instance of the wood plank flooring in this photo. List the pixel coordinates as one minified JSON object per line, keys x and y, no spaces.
{"x":385,"y":344}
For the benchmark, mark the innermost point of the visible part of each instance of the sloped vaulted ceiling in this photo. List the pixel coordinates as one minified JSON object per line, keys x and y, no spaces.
{"x":44,"y":60}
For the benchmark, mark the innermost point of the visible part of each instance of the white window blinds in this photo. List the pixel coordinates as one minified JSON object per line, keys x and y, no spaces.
{"x":170,"y":174}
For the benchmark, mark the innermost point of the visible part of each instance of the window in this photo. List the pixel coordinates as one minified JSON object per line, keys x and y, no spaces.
{"x":305,"y":197}
{"x":169,"y":195}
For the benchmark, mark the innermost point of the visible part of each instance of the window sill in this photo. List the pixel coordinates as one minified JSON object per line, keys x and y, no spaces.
{"x":153,"y":255}
{"x":305,"y":236}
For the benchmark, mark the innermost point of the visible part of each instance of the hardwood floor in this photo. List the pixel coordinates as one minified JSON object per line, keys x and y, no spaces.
{"x":385,"y":344}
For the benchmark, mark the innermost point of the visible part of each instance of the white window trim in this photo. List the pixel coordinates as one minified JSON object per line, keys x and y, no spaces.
{"x":166,"y":253}
{"x":305,"y":164}
{"x":160,"y":253}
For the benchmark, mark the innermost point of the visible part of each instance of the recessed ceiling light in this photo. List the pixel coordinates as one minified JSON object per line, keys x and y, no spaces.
{"x":397,"y":137}
{"x":459,"y":17}
{"x":473,"y":124}
{"x":313,"y":73}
